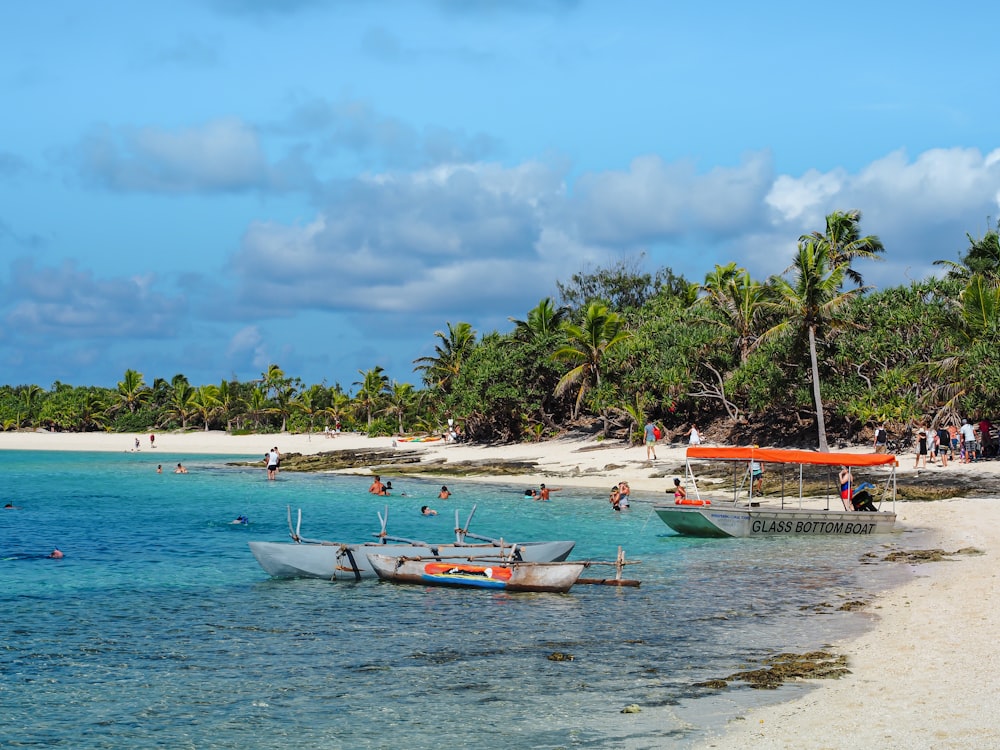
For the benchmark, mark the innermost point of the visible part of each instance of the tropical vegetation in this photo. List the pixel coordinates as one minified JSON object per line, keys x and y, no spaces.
{"x":799,"y":357}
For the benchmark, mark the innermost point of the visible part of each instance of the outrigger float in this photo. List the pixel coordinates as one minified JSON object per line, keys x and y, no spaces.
{"x":745,"y":514}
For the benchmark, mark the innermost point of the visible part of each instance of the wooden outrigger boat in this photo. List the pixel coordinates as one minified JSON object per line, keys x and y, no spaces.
{"x":506,"y":572}
{"x":315,"y":558}
{"x":476,"y":572}
{"x":745,"y":514}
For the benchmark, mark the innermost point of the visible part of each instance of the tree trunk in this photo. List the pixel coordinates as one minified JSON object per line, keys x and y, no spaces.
{"x":817,"y":398}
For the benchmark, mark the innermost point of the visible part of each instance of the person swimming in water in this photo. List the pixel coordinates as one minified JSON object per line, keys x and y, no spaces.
{"x":56,"y":554}
{"x":425,"y":511}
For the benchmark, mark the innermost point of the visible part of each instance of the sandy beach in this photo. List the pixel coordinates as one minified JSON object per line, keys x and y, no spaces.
{"x":926,"y":675}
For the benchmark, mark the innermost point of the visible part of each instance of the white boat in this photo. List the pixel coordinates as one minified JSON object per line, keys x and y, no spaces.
{"x":314,"y":558}
{"x":476,"y":572}
{"x":746,"y":514}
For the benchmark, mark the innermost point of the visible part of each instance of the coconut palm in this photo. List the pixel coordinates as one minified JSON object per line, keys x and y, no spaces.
{"x":205,"y":403}
{"x":371,"y":388}
{"x":543,"y":319}
{"x":257,"y":406}
{"x":740,"y":299}
{"x":843,"y":242}
{"x":587,"y":344}
{"x":455,"y":346}
{"x":809,"y":303}
{"x":340,"y":402}
{"x":401,"y":398}
{"x":30,"y":398}
{"x":132,"y":391}
{"x":976,"y":321}
{"x":981,"y":257}
{"x":180,"y":405}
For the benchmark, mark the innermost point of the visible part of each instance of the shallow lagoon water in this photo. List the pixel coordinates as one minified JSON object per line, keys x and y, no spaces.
{"x":159,"y":629}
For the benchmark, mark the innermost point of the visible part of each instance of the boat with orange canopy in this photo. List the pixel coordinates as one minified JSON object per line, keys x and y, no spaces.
{"x":746,"y":512}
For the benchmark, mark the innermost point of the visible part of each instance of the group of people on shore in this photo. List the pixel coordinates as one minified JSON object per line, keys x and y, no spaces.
{"x":960,"y":443}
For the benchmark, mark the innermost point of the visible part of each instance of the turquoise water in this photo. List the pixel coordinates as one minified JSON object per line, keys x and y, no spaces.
{"x":159,"y":629}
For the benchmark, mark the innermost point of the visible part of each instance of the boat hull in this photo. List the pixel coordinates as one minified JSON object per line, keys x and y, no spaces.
{"x":720,"y":521}
{"x":332,"y":561}
{"x":516,"y":576}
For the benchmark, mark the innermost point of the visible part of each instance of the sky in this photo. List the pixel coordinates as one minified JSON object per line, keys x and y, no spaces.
{"x":209,"y":187}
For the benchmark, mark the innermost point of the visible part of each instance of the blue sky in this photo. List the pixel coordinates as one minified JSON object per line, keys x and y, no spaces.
{"x":210,"y":186}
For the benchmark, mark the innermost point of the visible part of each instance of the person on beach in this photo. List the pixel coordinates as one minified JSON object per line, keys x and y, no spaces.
{"x":680,"y":494}
{"x":881,"y":439}
{"x":920,"y":459}
{"x":180,"y":469}
{"x":694,"y":437}
{"x":985,"y":438}
{"x":932,"y":446}
{"x":376,"y":488}
{"x":425,"y":511}
{"x":970,"y":446}
{"x":445,"y":493}
{"x":944,"y":444}
{"x":137,"y":443}
{"x":649,"y":432}
{"x":954,"y":441}
{"x":543,"y":491}
{"x":152,"y":441}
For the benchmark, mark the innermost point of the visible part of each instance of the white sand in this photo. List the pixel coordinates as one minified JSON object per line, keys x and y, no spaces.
{"x":927,"y":676}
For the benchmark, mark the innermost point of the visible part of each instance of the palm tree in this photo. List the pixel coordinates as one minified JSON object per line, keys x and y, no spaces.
{"x":226,"y":399}
{"x":308,"y":403}
{"x":586,"y":348}
{"x":809,"y":303}
{"x":256,"y":405}
{"x":401,"y":398}
{"x":30,"y":397}
{"x":180,"y":405}
{"x":740,"y":299}
{"x":982,"y":257}
{"x":543,"y":320}
{"x":205,"y":403}
{"x":281,"y":389}
{"x":339,"y":404}
{"x":843,"y":242}
{"x":977,"y":322}
{"x":450,"y":354}
{"x":371,"y":387}
{"x":133,"y":391}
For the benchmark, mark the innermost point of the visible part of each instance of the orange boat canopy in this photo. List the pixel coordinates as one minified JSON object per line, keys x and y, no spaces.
{"x":782,"y":456}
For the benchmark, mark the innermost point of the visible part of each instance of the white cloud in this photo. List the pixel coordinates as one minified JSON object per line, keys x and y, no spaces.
{"x":222,"y":155}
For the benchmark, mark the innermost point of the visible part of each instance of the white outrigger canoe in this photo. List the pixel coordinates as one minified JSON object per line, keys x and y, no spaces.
{"x":316,"y":558}
{"x":744,"y":514}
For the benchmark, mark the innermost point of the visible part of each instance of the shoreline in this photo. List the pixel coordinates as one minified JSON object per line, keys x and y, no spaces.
{"x":923,"y":676}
